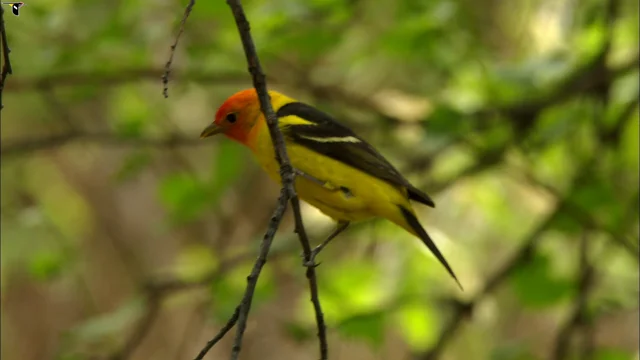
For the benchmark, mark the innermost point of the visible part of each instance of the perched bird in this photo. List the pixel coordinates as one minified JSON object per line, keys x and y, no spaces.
{"x":337,"y":171}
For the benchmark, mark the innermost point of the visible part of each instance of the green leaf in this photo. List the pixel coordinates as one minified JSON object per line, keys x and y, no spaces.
{"x":132,"y":165}
{"x":567,"y":223}
{"x":596,"y":196}
{"x":46,"y":265}
{"x":353,"y":286}
{"x":448,"y":121}
{"x":227,"y":168}
{"x":612,"y":354}
{"x":129,"y":129}
{"x":592,"y":194}
{"x":184,"y":196}
{"x":368,"y":327}
{"x":131,"y":111}
{"x":536,"y":286}
{"x":298,"y":332}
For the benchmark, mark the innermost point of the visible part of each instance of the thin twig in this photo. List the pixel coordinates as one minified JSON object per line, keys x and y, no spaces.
{"x":252,"y":279}
{"x":6,"y":61}
{"x":157,"y":290}
{"x":311,"y":276}
{"x":167,"y":67}
{"x":225,"y":329}
{"x":119,"y":77}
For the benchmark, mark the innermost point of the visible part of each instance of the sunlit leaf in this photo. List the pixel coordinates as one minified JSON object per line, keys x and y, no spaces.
{"x":131,"y":111}
{"x":359,"y":291}
{"x":195,"y":262}
{"x":419,"y":324}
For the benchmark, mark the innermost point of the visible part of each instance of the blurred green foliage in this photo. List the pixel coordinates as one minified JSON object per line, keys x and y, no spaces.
{"x":520,"y":117}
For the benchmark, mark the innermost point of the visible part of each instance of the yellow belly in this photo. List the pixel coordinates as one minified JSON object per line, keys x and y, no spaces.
{"x":366,"y":197}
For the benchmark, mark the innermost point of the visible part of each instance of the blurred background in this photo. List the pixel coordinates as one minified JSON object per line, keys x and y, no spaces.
{"x":124,"y":236}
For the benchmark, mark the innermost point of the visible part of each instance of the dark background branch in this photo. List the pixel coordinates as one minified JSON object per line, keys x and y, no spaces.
{"x":464,"y":310}
{"x":578,"y":317}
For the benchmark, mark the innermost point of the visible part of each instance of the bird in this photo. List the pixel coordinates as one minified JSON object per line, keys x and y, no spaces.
{"x":337,"y":171}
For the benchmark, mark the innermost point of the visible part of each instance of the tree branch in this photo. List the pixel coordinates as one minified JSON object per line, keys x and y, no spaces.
{"x":167,"y":66}
{"x":6,"y":61}
{"x":288,"y":193}
{"x":311,"y":277}
{"x":22,"y":147}
{"x":156,"y":290}
{"x":119,"y":77}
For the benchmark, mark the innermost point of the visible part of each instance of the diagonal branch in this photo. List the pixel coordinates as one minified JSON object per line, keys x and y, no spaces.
{"x":464,"y":309}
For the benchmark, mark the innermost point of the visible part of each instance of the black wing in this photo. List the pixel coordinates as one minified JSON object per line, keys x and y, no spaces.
{"x":328,"y":137}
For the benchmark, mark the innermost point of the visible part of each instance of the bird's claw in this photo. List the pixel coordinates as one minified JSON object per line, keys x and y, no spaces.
{"x":311,"y":262}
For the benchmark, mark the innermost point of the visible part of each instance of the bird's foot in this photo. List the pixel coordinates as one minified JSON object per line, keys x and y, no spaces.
{"x":311,"y":262}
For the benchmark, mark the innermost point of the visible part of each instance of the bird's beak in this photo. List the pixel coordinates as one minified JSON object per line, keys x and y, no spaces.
{"x":211,"y":130}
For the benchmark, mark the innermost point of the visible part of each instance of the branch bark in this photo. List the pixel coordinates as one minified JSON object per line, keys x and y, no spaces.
{"x":6,"y":61}
{"x":167,"y":66}
{"x":288,"y":193}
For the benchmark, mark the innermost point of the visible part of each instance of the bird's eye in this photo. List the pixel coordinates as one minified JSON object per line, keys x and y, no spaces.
{"x":231,"y":117}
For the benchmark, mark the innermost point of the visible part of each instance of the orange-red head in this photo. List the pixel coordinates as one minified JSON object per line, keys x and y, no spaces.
{"x":236,"y":117}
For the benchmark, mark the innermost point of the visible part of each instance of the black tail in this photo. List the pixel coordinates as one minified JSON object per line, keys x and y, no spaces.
{"x":426,"y":239}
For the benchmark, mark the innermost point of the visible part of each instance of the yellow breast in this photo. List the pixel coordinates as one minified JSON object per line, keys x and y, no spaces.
{"x":351,"y":195}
